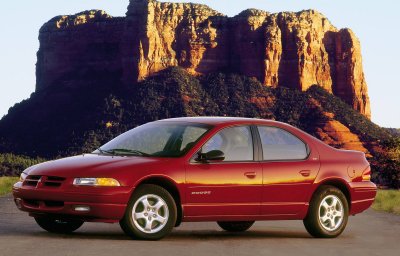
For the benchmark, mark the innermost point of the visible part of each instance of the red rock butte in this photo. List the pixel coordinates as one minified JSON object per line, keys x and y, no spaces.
{"x":291,"y":49}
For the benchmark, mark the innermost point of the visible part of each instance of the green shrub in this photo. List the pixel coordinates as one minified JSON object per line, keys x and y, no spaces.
{"x":13,"y":165}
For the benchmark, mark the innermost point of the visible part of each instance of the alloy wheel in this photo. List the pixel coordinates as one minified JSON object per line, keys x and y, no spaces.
{"x":150,"y":213}
{"x":331,"y":212}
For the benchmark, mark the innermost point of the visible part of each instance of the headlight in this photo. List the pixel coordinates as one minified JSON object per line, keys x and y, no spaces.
{"x":106,"y":182}
{"x":23,"y":176}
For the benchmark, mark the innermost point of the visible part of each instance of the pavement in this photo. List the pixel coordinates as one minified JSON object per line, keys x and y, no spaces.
{"x":369,"y":233}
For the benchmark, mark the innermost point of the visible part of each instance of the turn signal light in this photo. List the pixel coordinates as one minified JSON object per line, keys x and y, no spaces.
{"x":101,"y":182}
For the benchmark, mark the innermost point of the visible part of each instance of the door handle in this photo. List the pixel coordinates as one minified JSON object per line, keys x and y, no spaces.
{"x":250,"y":175}
{"x":305,"y":173}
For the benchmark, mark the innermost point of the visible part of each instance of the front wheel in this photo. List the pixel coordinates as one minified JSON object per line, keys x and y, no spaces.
{"x":58,"y":225}
{"x":151,"y":213}
{"x":235,"y":226}
{"x":328,"y":213}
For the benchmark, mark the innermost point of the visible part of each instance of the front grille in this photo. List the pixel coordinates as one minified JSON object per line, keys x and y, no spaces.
{"x":37,"y":203}
{"x":32,"y":180}
{"x":54,"y":203}
{"x":52,"y":181}
{"x":45,"y":181}
{"x":31,"y":203}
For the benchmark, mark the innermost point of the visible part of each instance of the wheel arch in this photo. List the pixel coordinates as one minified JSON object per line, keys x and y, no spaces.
{"x":168,"y":184}
{"x":338,"y":183}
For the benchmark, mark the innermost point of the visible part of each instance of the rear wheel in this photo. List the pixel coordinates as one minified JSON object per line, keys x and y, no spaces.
{"x":235,"y":226}
{"x":328,"y":213}
{"x":151,"y":213}
{"x":58,"y":225}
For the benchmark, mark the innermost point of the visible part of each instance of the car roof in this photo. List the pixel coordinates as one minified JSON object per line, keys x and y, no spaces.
{"x":215,"y":120}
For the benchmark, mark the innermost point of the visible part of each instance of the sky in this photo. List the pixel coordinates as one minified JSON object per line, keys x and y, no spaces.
{"x":374,"y":22}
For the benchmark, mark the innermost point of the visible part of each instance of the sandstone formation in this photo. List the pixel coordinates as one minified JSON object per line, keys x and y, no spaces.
{"x":78,"y":47}
{"x":288,"y":49}
{"x":338,"y":135}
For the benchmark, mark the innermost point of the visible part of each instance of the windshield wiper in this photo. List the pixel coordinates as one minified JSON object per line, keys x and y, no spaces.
{"x":118,"y":151}
{"x":102,"y":151}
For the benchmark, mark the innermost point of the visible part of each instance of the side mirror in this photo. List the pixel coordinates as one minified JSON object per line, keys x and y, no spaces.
{"x":213,"y":155}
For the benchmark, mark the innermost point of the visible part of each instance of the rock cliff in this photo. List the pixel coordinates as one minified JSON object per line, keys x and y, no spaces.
{"x":286,"y":49}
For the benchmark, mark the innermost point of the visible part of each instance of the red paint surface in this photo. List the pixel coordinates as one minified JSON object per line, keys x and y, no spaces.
{"x":254,"y":190}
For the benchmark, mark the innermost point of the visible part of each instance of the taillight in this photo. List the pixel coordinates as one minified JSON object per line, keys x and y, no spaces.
{"x":366,"y":175}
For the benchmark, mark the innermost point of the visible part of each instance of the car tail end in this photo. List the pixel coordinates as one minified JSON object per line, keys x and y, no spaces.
{"x":362,"y":190}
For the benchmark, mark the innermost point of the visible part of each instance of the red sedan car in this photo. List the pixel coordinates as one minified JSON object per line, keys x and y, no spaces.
{"x":234,"y":171}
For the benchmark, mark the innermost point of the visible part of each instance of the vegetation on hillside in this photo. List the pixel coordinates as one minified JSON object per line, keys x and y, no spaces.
{"x":394,"y":131}
{"x":13,"y":165}
{"x":65,"y":120}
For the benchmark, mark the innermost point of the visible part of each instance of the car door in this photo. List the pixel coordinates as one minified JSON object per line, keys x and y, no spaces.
{"x":231,"y":187}
{"x":289,"y":169}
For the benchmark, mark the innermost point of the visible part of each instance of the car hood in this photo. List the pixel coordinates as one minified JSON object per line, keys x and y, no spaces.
{"x":88,"y":165}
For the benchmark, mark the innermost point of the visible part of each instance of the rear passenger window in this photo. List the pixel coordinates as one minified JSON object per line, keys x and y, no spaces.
{"x":279,"y":144}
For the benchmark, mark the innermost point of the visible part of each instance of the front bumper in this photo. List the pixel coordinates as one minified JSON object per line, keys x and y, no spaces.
{"x":362,"y":196}
{"x":106,"y":204}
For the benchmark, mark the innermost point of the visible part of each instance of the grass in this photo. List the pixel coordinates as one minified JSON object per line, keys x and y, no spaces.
{"x":388,"y":201}
{"x":6,"y":184}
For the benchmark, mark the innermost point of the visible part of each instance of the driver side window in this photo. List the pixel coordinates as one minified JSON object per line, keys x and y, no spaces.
{"x":235,"y":142}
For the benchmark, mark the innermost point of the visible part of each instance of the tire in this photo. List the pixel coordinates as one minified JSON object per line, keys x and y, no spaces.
{"x":328,"y":213}
{"x":151,"y":213}
{"x":58,"y":225}
{"x":235,"y":226}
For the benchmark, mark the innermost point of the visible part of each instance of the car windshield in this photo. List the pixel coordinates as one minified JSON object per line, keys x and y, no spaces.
{"x":160,"y":139}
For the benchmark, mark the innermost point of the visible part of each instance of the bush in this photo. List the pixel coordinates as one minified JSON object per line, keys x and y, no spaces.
{"x":13,"y":165}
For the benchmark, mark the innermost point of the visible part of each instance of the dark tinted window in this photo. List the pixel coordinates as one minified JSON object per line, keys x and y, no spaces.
{"x":235,"y":142}
{"x":279,"y":144}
